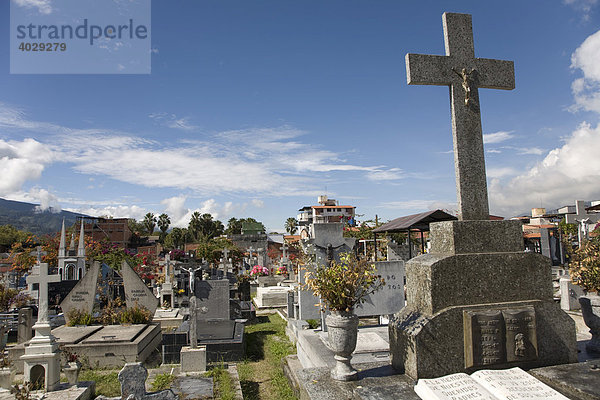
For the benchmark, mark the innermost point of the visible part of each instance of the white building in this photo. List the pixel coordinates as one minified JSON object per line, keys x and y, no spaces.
{"x":328,"y":211}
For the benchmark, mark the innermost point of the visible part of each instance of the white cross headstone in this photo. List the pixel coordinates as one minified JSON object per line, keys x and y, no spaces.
{"x":42,"y":279}
{"x":464,"y":74}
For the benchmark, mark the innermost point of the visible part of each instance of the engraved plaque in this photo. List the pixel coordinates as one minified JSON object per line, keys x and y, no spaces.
{"x":521,"y":334}
{"x":484,"y":338}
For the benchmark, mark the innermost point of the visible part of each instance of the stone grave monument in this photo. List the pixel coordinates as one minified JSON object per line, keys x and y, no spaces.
{"x":222,"y":336}
{"x":136,"y":291}
{"x":476,"y":300}
{"x":166,"y":289}
{"x":193,"y":357}
{"x":83,"y":294}
{"x":327,"y":245}
{"x":25,"y":324}
{"x":41,"y":361}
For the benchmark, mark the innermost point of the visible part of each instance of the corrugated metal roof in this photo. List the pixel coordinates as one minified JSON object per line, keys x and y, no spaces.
{"x":416,"y":221}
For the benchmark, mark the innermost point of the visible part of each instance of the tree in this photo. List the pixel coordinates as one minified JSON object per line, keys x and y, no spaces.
{"x":176,"y":238}
{"x":149,"y":223}
{"x":10,"y":235}
{"x":291,"y":225}
{"x":135,"y":226}
{"x":194,"y":226}
{"x":234,"y":225}
{"x":163,"y":222}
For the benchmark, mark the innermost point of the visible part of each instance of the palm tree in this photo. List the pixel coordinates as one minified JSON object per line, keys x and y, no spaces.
{"x":149,"y":223}
{"x":163,"y":222}
{"x":291,"y":225}
{"x":195,"y":226}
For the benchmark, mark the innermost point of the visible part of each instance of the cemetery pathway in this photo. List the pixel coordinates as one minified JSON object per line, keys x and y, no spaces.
{"x":261,"y":375}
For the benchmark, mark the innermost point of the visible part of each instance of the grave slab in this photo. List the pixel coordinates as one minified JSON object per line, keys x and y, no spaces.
{"x":578,"y":381}
{"x":115,"y":334}
{"x":213,"y":299}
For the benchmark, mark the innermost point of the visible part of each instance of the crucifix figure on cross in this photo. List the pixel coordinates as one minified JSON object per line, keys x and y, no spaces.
{"x":464,"y":74}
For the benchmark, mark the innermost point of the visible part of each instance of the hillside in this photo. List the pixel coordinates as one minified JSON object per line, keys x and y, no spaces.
{"x":24,"y":216}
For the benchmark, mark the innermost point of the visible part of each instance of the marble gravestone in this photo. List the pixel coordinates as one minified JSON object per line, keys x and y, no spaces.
{"x":477,"y":300}
{"x":136,"y":291}
{"x":212,"y":297}
{"x":326,"y":245}
{"x":82,"y":296}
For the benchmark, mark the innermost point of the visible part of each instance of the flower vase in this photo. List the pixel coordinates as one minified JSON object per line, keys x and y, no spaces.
{"x":71,"y":371}
{"x":342,"y":332}
{"x":590,"y":308}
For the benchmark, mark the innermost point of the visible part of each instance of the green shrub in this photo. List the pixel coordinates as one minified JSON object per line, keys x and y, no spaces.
{"x":162,"y":382}
{"x":79,"y":317}
{"x":135,"y":315}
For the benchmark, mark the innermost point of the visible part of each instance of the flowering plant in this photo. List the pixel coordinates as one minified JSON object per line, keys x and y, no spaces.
{"x":259,"y":271}
{"x":344,"y":284}
{"x":281,"y":270}
{"x":584,"y":266}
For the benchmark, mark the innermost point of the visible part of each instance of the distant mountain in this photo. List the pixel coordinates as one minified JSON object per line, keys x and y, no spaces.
{"x":26,"y":217}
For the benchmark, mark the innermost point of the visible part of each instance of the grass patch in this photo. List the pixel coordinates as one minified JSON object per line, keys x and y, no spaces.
{"x":261,"y":375}
{"x":224,"y":389}
{"x":107,"y":382}
{"x":162,"y":382}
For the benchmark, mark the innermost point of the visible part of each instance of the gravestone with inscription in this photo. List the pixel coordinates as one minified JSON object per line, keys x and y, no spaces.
{"x":327,"y":244}
{"x":83,"y":294}
{"x":477,"y":300}
{"x":136,"y":291}
{"x":222,"y":336}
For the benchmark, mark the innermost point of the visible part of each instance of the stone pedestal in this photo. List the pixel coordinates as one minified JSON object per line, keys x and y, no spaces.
{"x":478,"y":301}
{"x":42,"y":358}
{"x":193,"y":359}
{"x":166,"y":295}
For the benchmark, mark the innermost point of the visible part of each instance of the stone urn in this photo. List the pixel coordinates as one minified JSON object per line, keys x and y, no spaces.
{"x":6,"y":378}
{"x":590,"y":308}
{"x":342,"y":331}
{"x":71,"y":371}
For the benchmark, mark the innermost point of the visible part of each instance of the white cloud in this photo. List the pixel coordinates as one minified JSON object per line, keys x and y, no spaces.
{"x":495,"y":151}
{"x":500,"y":172}
{"x":269,"y":161}
{"x":569,"y":172}
{"x":531,"y":150}
{"x":385,"y":175}
{"x":258,"y":203}
{"x":43,"y":6}
{"x":116,"y":211}
{"x":175,"y":208}
{"x":415,"y":206}
{"x":586,"y":90}
{"x":497,"y":137}
{"x":585,"y":6}
{"x":21,"y":162}
{"x":47,"y":200}
{"x":172,"y":121}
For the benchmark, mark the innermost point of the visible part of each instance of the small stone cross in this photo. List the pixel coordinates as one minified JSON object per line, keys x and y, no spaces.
{"x":464,"y":73}
{"x":43,"y":279}
{"x":284,"y":248}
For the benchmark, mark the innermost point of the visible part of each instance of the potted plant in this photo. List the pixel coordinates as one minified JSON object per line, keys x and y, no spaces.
{"x":584,"y":269}
{"x":341,"y":286}
{"x":72,"y":368}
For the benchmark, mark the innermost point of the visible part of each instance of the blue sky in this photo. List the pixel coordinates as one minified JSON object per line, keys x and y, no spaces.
{"x":253,"y":108}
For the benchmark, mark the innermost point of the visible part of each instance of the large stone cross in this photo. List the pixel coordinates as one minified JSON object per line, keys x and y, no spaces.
{"x":43,"y":279}
{"x":464,"y":73}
